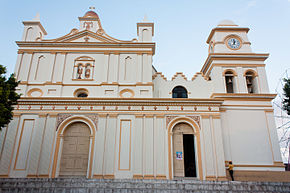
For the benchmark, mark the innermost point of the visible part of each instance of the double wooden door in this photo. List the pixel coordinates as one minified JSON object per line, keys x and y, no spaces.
{"x":75,"y":152}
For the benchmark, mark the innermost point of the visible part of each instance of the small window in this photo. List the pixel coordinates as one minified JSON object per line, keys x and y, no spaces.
{"x":229,"y":78}
{"x":250,"y":81}
{"x":81,"y":93}
{"x":179,"y":92}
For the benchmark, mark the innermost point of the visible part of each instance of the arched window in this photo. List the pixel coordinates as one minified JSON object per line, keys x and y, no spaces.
{"x":250,"y":82}
{"x":229,"y":78}
{"x":80,"y":93}
{"x":179,"y":92}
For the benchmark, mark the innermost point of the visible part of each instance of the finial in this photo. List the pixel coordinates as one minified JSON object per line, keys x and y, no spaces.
{"x":91,"y":8}
{"x":145,"y":19}
{"x":37,"y":17}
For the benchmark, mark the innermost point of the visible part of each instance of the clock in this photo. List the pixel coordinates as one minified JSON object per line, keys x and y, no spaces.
{"x":233,"y":43}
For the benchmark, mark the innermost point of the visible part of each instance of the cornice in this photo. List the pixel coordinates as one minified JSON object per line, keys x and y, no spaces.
{"x":232,"y":56}
{"x":226,"y":29}
{"x":148,"y":24}
{"x":87,"y":44}
{"x":35,"y":23}
{"x":117,"y":101}
{"x":38,"y":46}
{"x":243,"y":96}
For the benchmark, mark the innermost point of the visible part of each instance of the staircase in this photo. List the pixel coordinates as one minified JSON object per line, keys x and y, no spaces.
{"x":81,"y":185}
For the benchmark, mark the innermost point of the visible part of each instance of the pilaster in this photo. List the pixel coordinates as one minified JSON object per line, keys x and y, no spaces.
{"x":36,"y":144}
{"x":47,"y":151}
{"x":9,"y":146}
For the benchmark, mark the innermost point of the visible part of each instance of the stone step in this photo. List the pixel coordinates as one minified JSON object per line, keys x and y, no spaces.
{"x":81,"y":185}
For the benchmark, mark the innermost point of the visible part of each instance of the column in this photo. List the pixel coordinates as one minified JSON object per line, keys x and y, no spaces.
{"x":210,"y":158}
{"x":9,"y":145}
{"x":139,"y":68}
{"x":110,"y":146}
{"x":241,"y":81}
{"x":148,"y":147}
{"x":218,"y":80}
{"x":47,"y":151}
{"x":262,"y":80}
{"x":18,"y":63}
{"x":219,"y":147}
{"x":106,"y":67}
{"x":159,"y":147}
{"x":36,"y":145}
{"x":113,"y":68}
{"x":137,"y":147}
{"x":99,"y":146}
{"x":58,"y":67}
{"x":226,"y":136}
{"x":273,"y":137}
{"x":147,"y":68}
{"x":25,"y":67}
{"x":144,"y":67}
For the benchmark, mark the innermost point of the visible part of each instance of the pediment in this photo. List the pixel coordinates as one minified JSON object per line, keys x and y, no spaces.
{"x":87,"y":36}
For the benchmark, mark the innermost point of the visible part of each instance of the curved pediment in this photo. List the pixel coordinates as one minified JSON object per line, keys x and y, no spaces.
{"x":87,"y":36}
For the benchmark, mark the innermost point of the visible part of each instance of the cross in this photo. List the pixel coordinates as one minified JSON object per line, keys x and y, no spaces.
{"x":87,"y":39}
{"x":91,"y":8}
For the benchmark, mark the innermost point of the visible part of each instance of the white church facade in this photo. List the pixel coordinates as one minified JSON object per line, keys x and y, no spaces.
{"x":94,"y":106}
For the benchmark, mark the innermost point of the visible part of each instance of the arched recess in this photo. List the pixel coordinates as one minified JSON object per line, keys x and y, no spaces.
{"x":230,"y":80}
{"x":196,"y":132}
{"x":59,"y":143}
{"x":28,"y":32}
{"x":251,"y":81}
{"x":145,"y":35}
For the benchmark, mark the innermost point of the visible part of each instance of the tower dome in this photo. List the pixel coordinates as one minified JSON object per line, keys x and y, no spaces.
{"x":91,"y":14}
{"x":227,"y":23}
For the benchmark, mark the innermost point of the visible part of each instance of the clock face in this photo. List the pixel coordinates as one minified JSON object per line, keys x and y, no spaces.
{"x":234,"y":43}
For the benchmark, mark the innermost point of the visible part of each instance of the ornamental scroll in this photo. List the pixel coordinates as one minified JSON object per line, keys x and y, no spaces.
{"x":62,"y":117}
{"x":195,"y":118}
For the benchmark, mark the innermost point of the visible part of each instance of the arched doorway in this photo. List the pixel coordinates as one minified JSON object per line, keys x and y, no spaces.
{"x":183,"y":141}
{"x":75,"y":151}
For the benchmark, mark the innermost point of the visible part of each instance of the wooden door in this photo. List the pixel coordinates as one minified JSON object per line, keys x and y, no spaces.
{"x":75,"y":152}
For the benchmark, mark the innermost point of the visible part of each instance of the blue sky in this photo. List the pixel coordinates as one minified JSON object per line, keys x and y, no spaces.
{"x":181,"y":27}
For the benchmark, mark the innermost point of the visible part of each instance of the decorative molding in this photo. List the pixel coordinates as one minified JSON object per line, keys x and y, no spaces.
{"x":137,"y":176}
{"x":194,"y":118}
{"x":63,"y":116}
{"x":169,"y":118}
{"x":159,"y":74}
{"x":179,"y":74}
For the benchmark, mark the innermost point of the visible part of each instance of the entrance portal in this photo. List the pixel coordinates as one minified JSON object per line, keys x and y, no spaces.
{"x":189,"y":155}
{"x":183,"y":151}
{"x":75,"y":152}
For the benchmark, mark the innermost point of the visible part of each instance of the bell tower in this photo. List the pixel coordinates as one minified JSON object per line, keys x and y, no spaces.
{"x":91,"y":21}
{"x":231,"y":64}
{"x":145,"y":30}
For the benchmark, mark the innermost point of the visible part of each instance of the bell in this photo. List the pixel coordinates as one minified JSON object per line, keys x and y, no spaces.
{"x":249,"y":81}
{"x":230,"y":80}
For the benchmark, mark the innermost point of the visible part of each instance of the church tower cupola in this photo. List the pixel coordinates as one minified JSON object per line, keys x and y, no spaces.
{"x":91,"y":21}
{"x":228,"y":37}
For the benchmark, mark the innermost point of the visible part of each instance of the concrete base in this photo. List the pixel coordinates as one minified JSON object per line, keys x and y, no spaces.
{"x":75,"y":185}
{"x":260,"y":176}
